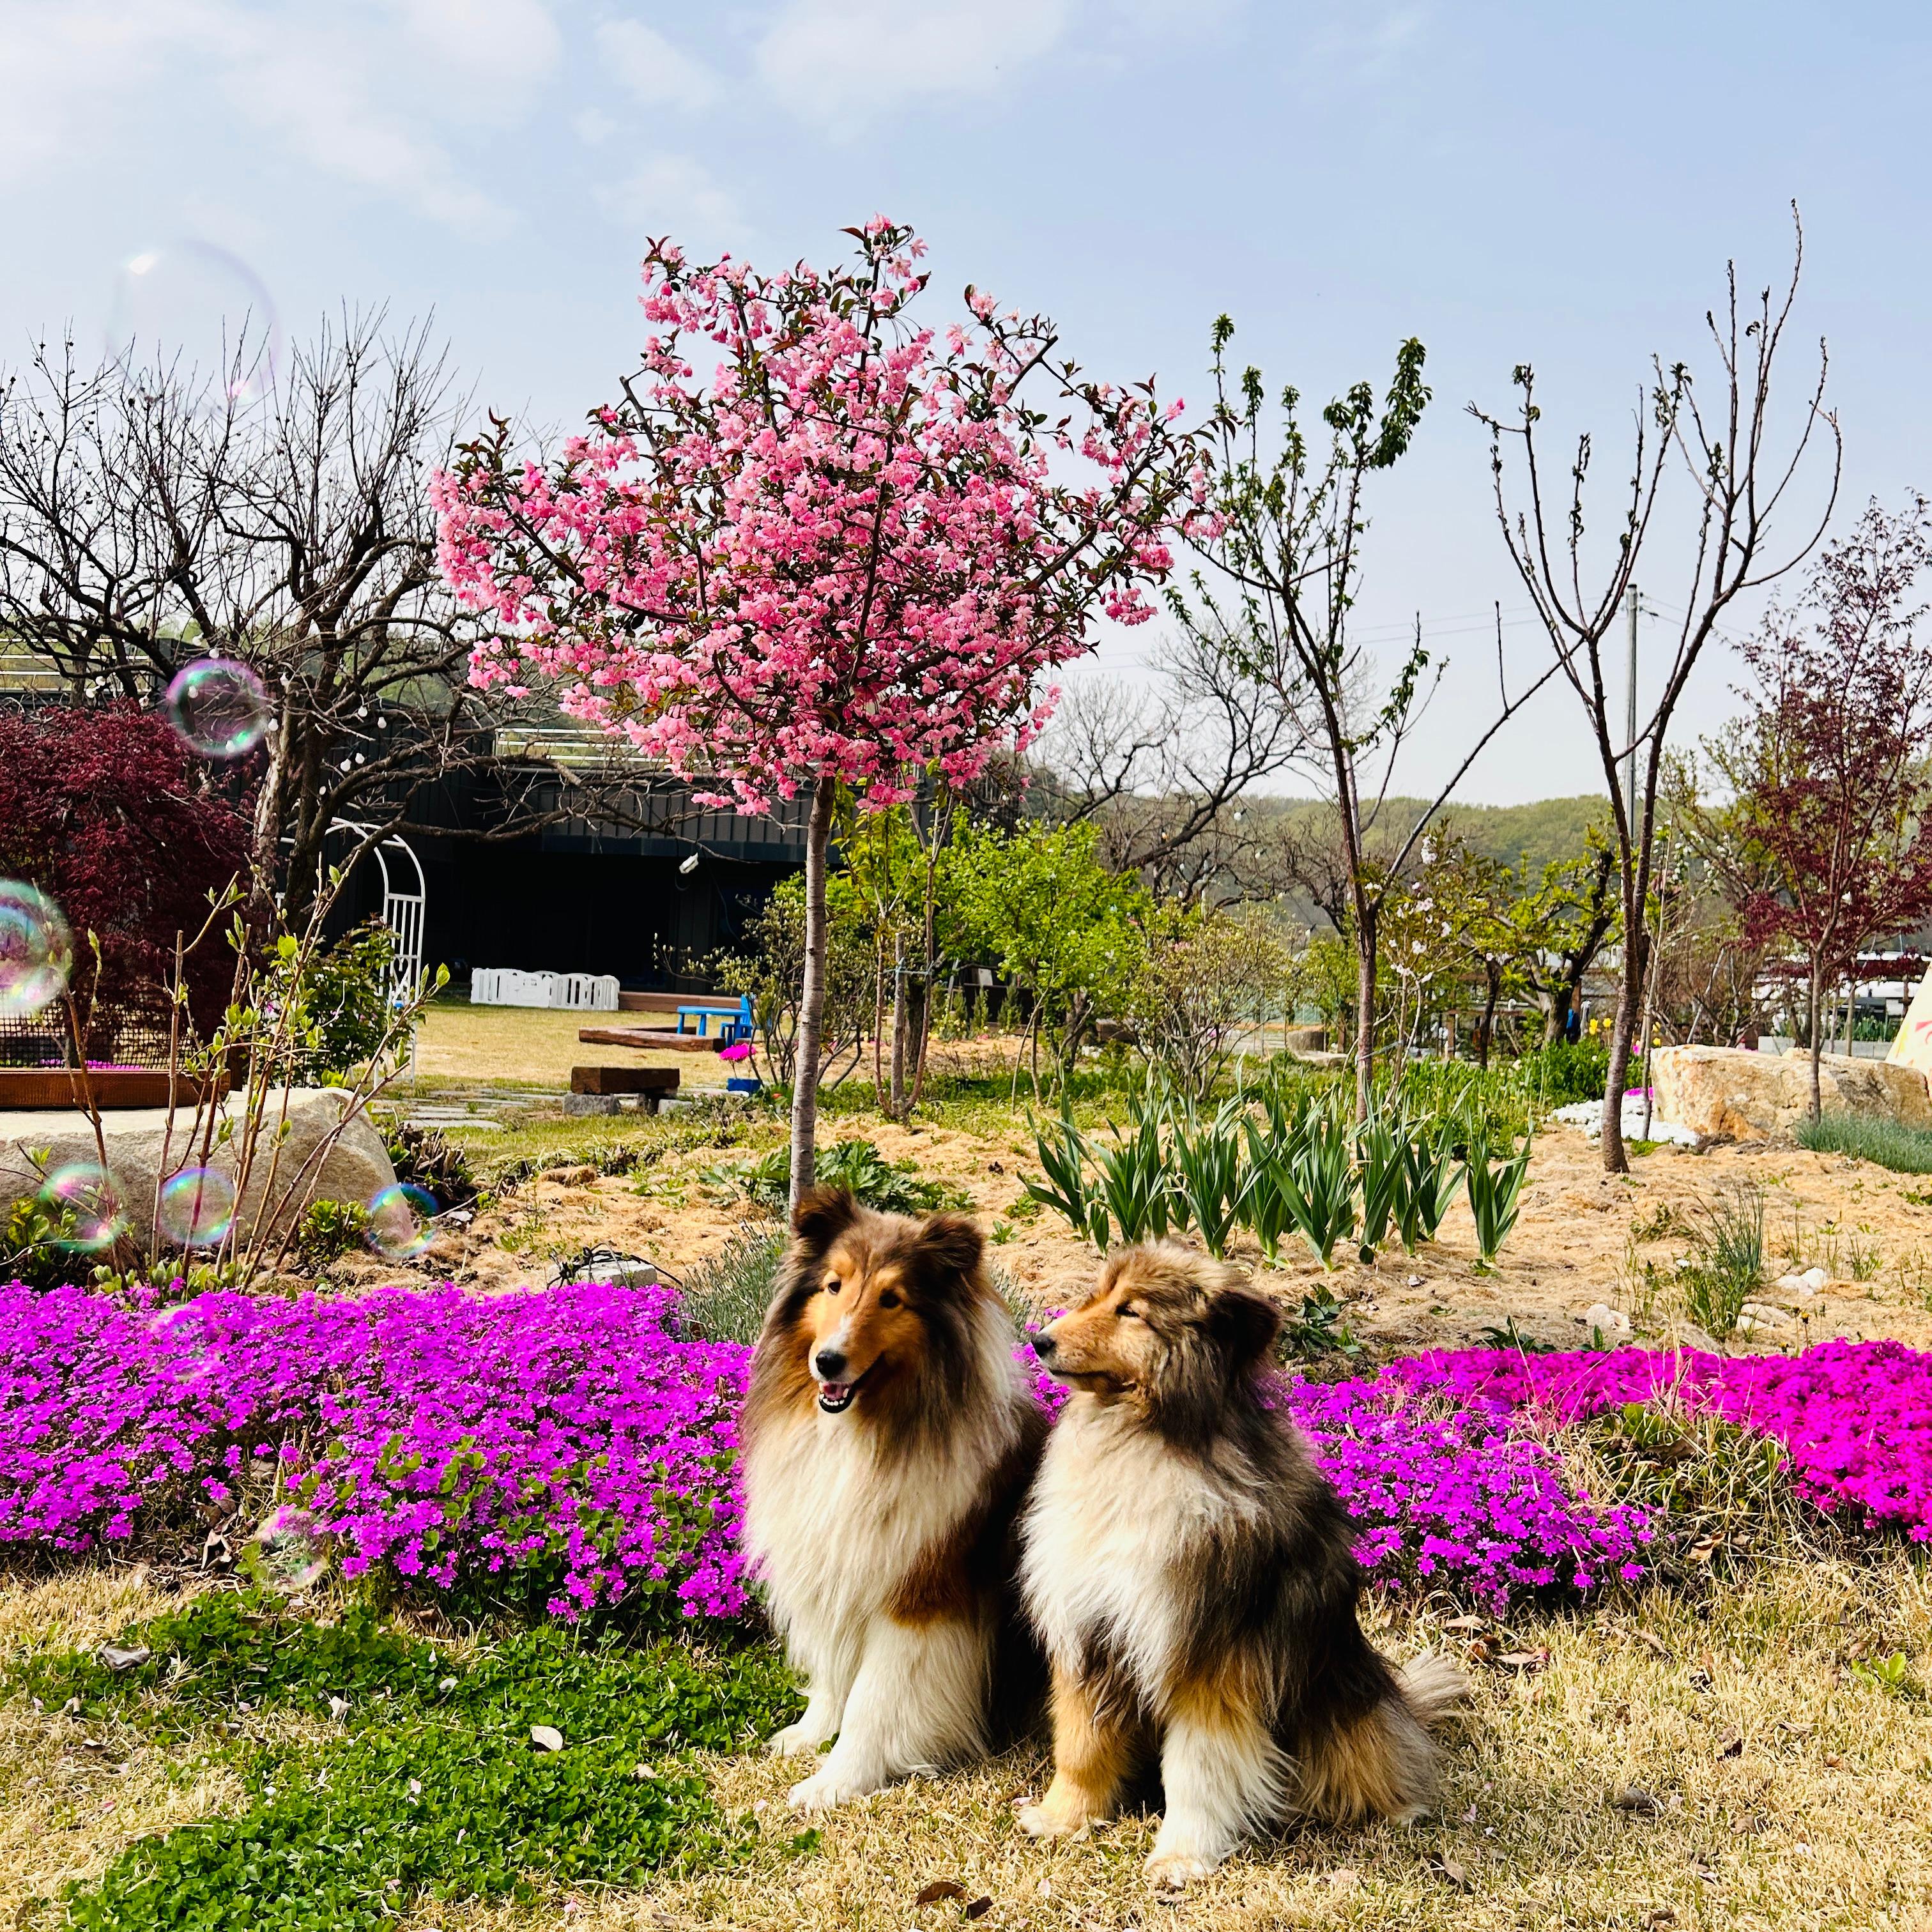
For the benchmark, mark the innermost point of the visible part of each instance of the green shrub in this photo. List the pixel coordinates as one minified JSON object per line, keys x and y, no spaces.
{"x":347,"y":994}
{"x":1379,"y":1151}
{"x":1560,"y":1075}
{"x":892,"y":1186}
{"x":1872,"y":1137}
{"x":328,"y":1231}
{"x":724,"y":1299}
{"x":1207,"y":1161}
{"x":441,"y":1787}
{"x":36,"y":1242}
{"x":425,"y":1158}
{"x":1426,"y":1182}
{"x":1133,"y":1183}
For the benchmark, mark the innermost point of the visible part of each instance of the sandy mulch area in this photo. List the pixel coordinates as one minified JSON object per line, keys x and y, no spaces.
{"x":1583,"y":1237}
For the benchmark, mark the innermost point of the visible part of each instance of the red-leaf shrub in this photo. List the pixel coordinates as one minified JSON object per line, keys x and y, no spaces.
{"x":106,"y":812}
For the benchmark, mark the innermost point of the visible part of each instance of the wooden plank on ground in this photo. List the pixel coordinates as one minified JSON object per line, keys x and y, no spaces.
{"x":624,"y":1079}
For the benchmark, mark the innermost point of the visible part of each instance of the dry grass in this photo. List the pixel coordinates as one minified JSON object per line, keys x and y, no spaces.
{"x":73,"y":1791}
{"x":529,"y":1045}
{"x":1788,"y":1795}
{"x":1821,"y":1815}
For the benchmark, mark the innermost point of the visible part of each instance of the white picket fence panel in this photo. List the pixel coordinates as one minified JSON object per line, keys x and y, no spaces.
{"x":574,"y":992}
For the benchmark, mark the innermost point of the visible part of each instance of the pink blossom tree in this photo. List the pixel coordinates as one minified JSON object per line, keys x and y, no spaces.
{"x":845,"y":555}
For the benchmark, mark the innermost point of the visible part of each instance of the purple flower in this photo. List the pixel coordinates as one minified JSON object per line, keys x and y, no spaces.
{"x":441,"y":1436}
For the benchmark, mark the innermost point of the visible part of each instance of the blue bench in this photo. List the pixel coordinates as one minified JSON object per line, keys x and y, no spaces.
{"x":735,"y":1023}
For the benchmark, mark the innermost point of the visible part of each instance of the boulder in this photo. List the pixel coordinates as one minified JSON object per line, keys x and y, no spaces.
{"x":355,"y":1167}
{"x":1729,"y":1091}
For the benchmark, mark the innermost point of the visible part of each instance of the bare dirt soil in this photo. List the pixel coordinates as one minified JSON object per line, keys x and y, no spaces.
{"x":1583,"y":1237}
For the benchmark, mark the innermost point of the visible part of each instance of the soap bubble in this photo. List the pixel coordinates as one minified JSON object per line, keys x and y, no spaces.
{"x":218,"y":707}
{"x":399,"y":1221}
{"x":196,"y":1206}
{"x":192,"y":307}
{"x":36,"y":950}
{"x":86,"y":1200}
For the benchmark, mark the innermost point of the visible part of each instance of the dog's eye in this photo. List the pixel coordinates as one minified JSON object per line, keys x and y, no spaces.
{"x":832,"y":1284}
{"x":1128,"y":1313}
{"x":888,"y":1299}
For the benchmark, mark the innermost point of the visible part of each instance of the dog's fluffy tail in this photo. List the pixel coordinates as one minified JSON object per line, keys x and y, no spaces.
{"x":1432,"y":1686}
{"x":1384,"y":1764}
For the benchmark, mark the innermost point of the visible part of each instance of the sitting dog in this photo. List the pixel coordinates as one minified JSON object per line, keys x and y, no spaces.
{"x":1192,"y":1577}
{"x":889,"y":1436}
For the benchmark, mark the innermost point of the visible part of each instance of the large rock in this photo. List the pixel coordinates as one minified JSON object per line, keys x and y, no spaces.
{"x":1726,"y":1091}
{"x":306,"y":1167}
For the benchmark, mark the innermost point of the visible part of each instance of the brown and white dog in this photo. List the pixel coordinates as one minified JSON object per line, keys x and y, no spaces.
{"x":1193,"y":1577}
{"x":889,"y":1436}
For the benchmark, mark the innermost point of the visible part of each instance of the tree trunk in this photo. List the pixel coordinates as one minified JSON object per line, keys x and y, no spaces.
{"x":1814,"y":1009}
{"x":1556,"y":1010}
{"x":896,"y":1105}
{"x":1630,"y":1000}
{"x":1488,"y":1026}
{"x":811,"y":1005}
{"x":1366,"y":917}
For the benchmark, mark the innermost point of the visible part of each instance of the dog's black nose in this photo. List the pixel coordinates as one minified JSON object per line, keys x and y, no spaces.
{"x":1043,"y":1345}
{"x":831,"y":1363}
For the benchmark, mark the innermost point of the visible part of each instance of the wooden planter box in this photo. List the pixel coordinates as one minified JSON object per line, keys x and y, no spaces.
{"x":56,"y":1088}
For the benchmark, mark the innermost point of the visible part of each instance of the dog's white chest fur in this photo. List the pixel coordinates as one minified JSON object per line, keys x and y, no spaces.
{"x":1113,"y":1518}
{"x":832,"y":1527}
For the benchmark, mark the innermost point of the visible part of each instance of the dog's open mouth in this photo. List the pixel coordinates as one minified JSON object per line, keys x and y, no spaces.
{"x":835,"y":1398}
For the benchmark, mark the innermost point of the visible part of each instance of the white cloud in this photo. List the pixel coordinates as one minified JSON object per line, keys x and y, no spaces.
{"x":674,"y":195}
{"x":487,"y":45}
{"x":841,"y":62}
{"x":1364,"y":45}
{"x":648,"y":66}
{"x":364,"y":90}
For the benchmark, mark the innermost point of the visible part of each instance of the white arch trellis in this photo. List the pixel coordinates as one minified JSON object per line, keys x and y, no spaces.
{"x":405,"y":894}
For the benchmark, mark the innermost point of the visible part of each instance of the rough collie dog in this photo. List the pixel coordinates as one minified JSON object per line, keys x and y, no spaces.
{"x":889,"y":1436}
{"x":1192,"y":1578}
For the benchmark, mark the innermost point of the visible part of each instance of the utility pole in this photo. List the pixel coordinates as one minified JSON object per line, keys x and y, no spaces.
{"x":1630,"y":759}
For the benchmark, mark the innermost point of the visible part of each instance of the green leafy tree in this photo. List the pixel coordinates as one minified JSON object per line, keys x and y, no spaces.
{"x":1206,"y":978}
{"x":1038,"y":904}
{"x":1574,"y":913}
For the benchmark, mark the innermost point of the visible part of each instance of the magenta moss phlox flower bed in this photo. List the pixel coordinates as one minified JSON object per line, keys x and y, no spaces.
{"x":1855,"y":1418}
{"x":441,"y":1434}
{"x":576,"y":1435}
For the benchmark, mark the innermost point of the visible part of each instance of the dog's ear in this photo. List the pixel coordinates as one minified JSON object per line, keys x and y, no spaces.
{"x":822,"y":1215}
{"x":1243,"y":1324}
{"x":948,"y":1247}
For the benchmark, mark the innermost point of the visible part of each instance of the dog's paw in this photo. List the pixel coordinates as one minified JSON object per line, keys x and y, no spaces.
{"x":825,"y":1789}
{"x":1173,"y":1871}
{"x":1037,"y":1821}
{"x":794,"y":1740}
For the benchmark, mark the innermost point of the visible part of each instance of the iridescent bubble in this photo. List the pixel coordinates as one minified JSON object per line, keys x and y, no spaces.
{"x":399,"y":1221}
{"x":191,"y":307}
{"x":196,"y":1206}
{"x":218,"y":707}
{"x":85,"y":1200}
{"x":36,"y":949}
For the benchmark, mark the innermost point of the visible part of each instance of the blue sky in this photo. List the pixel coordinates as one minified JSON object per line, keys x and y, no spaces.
{"x":1538,"y":182}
